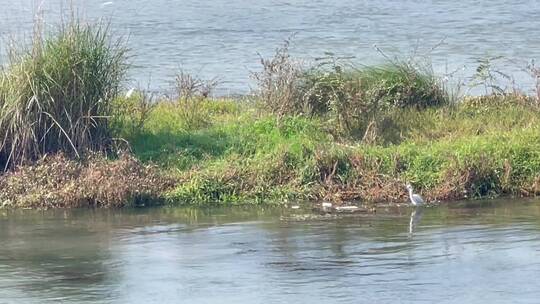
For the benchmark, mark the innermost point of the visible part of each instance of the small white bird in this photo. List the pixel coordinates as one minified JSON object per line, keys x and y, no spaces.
{"x":416,"y":199}
{"x":105,"y":4}
{"x":416,"y":216}
{"x":130,"y":92}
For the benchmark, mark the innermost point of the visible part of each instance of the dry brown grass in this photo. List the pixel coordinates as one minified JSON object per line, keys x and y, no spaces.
{"x":58,"y":182}
{"x":367,"y":184}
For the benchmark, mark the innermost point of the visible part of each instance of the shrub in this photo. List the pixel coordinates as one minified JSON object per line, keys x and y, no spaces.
{"x":359,"y":101}
{"x":188,"y":86}
{"x":278,"y":82}
{"x":130,"y":113}
{"x":403,"y":85}
{"x":354,"y":102}
{"x":56,"y":93}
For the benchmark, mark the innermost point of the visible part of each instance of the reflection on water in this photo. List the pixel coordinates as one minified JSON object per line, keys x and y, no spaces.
{"x":482,"y":252}
{"x":416,"y":216}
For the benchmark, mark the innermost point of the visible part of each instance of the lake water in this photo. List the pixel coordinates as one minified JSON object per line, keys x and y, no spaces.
{"x":222,"y":37}
{"x":483,"y":252}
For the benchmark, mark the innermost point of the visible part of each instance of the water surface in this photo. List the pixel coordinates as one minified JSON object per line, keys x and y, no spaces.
{"x":222,"y":37}
{"x":486,"y":252}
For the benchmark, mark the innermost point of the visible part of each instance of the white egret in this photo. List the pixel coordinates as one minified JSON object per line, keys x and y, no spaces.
{"x":130,"y":92}
{"x":416,"y":199}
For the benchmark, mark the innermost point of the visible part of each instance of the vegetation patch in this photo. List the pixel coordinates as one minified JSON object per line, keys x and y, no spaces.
{"x":56,"y":92}
{"x":321,"y":131}
{"x":60,"y":182}
{"x":353,"y":101}
{"x":461,"y":151}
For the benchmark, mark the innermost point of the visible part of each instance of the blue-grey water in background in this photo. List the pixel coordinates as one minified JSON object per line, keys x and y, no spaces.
{"x":223,"y":37}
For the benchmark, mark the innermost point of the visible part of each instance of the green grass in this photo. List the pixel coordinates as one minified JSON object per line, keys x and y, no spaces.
{"x":402,"y":85}
{"x":242,"y":156}
{"x":170,"y":138}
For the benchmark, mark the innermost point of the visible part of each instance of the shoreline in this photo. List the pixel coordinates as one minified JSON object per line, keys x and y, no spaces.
{"x":325,"y":131}
{"x":250,"y":158}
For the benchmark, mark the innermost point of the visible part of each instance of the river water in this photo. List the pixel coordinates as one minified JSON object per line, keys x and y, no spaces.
{"x":223,"y":37}
{"x":482,"y":252}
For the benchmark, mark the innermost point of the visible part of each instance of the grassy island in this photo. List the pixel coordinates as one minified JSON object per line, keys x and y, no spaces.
{"x":72,"y":137}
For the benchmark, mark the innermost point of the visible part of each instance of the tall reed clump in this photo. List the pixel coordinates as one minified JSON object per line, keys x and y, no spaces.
{"x":355,"y":102}
{"x":278,"y":82}
{"x":56,"y":92}
{"x":359,"y":101}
